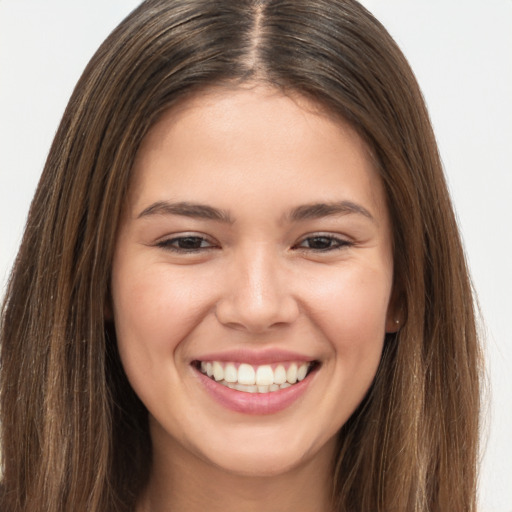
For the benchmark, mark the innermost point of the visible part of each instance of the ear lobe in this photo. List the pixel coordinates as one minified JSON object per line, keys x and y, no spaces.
{"x":395,"y":316}
{"x":393,"y":324}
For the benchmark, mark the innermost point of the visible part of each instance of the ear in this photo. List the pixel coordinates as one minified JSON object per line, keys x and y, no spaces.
{"x":392,"y":325}
{"x":395,"y":317}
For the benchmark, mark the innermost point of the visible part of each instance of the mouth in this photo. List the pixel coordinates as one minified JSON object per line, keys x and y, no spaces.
{"x":266,"y":378}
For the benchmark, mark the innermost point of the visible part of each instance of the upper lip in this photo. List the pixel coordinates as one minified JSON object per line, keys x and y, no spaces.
{"x":255,"y":357}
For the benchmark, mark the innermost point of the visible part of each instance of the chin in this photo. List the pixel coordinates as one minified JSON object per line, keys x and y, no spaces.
{"x":267,"y":457}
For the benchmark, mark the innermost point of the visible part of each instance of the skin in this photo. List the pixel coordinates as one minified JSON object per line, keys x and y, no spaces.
{"x":319,"y":286}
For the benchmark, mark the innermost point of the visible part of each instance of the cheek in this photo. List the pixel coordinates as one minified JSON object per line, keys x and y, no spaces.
{"x":351,"y":310}
{"x":154,"y":310}
{"x":351,"y":313}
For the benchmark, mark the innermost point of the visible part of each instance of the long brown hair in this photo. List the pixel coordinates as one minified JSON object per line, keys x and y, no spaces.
{"x":74,"y":435}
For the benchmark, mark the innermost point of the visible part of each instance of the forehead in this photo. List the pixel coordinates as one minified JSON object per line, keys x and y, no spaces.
{"x":253,"y":138}
{"x":220,"y":107}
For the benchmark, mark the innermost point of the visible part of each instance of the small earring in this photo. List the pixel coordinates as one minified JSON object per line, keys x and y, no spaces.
{"x":397,"y":322}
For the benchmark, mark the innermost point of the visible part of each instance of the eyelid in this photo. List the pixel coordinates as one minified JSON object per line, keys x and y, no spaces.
{"x":341,"y":242}
{"x":166,"y":243}
{"x":338,"y":242}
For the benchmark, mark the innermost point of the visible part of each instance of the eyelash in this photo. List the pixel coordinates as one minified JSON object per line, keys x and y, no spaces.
{"x":335,"y":243}
{"x":172,"y":244}
{"x":168,"y":244}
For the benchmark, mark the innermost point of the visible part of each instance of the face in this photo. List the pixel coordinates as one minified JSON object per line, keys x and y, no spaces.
{"x":252,"y":279}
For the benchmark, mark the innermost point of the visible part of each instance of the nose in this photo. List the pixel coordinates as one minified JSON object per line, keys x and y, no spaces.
{"x":257,"y":293}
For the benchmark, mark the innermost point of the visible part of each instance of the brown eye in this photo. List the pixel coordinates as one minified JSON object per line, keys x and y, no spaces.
{"x":322,"y":243}
{"x":186,"y":244}
{"x":189,"y":242}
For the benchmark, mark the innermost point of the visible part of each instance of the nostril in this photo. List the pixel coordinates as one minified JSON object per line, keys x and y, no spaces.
{"x":253,"y":315}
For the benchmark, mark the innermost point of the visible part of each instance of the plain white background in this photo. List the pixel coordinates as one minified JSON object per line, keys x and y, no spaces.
{"x":461,"y":52}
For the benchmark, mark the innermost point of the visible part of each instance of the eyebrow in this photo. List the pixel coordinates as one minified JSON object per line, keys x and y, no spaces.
{"x":303,"y":212}
{"x":186,"y":209}
{"x":319,"y":210}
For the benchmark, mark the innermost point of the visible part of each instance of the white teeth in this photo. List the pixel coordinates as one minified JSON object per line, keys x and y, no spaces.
{"x":279,"y":375}
{"x":258,"y":379}
{"x":230,"y":373}
{"x":302,"y":371}
{"x":247,"y":389}
{"x":291,"y":374}
{"x":254,"y":388}
{"x":246,"y":374}
{"x":218,"y":371}
{"x":264,"y":376}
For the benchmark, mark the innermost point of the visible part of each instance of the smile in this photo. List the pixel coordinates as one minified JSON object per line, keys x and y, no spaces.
{"x":248,"y":378}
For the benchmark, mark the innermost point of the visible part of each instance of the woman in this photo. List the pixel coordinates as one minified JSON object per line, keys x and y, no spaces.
{"x":241,"y":195}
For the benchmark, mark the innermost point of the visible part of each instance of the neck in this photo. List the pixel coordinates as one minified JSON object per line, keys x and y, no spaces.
{"x":182,"y":482}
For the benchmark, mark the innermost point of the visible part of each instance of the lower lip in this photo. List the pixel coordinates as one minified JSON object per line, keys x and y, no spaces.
{"x":254,"y":403}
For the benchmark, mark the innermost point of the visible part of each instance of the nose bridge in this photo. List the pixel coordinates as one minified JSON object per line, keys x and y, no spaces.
{"x":257,"y":296}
